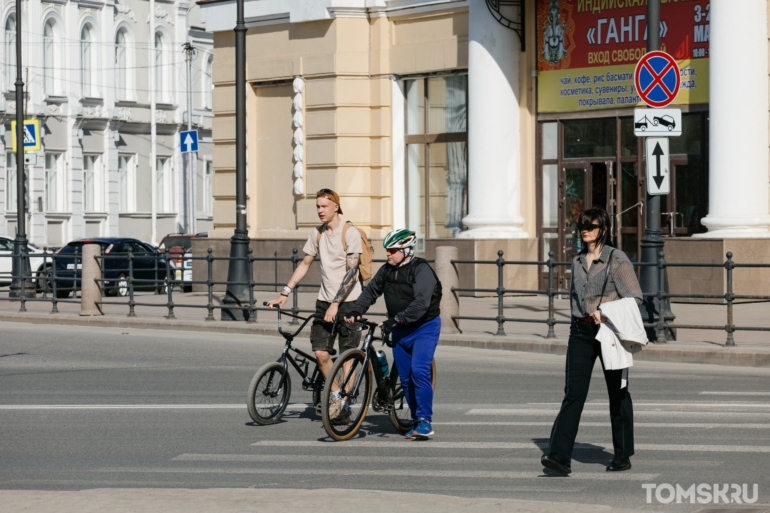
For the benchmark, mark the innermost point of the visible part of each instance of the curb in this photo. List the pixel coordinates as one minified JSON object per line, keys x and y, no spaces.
{"x":719,"y":355}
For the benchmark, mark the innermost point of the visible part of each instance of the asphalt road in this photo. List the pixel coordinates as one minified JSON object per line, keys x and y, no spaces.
{"x":85,"y":408}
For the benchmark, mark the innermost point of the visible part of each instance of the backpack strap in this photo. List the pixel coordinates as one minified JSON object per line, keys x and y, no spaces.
{"x":606,"y":278}
{"x":345,"y":227}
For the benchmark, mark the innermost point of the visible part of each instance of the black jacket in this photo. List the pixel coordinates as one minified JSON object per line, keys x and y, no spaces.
{"x":412,"y":292}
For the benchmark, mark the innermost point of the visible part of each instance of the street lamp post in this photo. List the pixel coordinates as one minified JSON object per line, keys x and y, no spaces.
{"x":238,"y":269}
{"x":20,"y":263}
{"x":652,"y":241}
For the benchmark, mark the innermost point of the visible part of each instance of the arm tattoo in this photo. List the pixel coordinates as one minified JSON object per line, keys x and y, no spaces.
{"x":349,"y":281}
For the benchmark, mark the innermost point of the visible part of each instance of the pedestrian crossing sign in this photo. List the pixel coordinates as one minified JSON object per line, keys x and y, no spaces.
{"x":31,"y":134}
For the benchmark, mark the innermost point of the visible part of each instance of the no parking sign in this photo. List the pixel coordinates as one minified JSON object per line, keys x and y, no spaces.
{"x":657,"y":79}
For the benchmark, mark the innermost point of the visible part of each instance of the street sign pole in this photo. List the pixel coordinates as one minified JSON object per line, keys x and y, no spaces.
{"x":237,"y":294}
{"x":652,"y":241}
{"x":20,"y":263}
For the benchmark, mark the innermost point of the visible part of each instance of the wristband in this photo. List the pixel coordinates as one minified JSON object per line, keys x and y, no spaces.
{"x":287,"y":289}
{"x":284,"y":295}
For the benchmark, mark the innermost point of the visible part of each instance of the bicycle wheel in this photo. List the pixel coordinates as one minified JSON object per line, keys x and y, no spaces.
{"x":269,"y":393}
{"x":344,"y":375}
{"x":400,"y":414}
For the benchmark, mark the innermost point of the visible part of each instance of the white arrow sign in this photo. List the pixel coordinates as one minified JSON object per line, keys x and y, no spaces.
{"x":658,"y":166}
{"x":188,"y":143}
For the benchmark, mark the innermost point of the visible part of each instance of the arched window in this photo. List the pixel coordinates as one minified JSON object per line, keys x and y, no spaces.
{"x":159,"y":68}
{"x":208,"y":83}
{"x":10,"y":50}
{"x":86,"y":70}
{"x":120,"y":65}
{"x":48,"y":59}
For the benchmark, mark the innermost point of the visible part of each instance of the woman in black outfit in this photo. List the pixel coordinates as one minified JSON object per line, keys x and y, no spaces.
{"x":593,"y":285}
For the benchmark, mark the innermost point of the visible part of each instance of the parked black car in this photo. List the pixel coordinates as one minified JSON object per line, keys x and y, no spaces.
{"x":149,"y":266}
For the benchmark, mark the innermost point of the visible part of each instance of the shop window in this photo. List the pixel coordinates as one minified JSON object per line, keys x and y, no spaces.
{"x":10,"y":51}
{"x":208,"y":188}
{"x":437,"y":155}
{"x":10,"y":182}
{"x":589,"y":138}
{"x":689,"y":143}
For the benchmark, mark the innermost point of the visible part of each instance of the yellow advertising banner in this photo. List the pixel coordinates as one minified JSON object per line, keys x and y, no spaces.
{"x":587,"y":52}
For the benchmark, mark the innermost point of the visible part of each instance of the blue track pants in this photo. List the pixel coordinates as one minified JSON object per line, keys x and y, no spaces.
{"x":413,"y":355}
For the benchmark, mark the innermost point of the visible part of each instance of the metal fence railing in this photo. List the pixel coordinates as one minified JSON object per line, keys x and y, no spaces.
{"x":57,"y":278}
{"x":661,"y":326}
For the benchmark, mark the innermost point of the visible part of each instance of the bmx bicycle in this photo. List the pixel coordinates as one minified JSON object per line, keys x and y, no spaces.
{"x":351,"y":374}
{"x":270,"y":389}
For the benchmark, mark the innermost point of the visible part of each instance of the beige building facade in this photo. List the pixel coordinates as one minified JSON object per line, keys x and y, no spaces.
{"x":488,"y":125}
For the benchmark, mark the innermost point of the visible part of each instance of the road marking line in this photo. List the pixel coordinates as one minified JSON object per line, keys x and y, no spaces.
{"x":504,"y":445}
{"x":737,"y":393}
{"x":668,"y":405}
{"x":603,"y":413}
{"x":313,"y":458}
{"x":421,"y":473}
{"x":124,"y":407}
{"x":674,"y":425}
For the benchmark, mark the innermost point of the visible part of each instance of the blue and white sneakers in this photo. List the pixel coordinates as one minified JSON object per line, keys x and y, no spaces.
{"x":422,"y":431}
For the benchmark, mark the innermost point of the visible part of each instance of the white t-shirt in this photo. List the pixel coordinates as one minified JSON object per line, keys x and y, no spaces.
{"x":334,"y":259}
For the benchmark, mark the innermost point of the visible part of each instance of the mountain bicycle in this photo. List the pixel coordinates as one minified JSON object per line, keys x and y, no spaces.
{"x":270,"y":389}
{"x":351,"y":374}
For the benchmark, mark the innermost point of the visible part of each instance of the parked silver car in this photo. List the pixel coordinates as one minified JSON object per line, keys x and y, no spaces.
{"x":38,"y":267}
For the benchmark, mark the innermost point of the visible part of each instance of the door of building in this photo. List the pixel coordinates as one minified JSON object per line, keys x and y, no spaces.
{"x":582,"y":185}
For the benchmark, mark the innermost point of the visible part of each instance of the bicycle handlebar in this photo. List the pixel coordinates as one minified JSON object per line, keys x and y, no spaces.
{"x":301,"y":327}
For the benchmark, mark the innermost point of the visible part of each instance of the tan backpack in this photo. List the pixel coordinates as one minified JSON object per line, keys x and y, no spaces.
{"x":367,"y":250}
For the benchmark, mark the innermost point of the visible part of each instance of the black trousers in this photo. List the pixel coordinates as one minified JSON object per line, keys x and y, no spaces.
{"x":582,"y":350}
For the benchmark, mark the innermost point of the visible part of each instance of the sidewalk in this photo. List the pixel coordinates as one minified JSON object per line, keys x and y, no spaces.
{"x":120,"y":500}
{"x":692,"y":346}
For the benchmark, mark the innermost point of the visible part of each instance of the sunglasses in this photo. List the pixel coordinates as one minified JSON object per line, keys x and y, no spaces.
{"x":393,"y":251}
{"x":588,"y":227}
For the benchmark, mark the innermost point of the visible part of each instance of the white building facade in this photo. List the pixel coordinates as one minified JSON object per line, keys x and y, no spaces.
{"x":108,"y":83}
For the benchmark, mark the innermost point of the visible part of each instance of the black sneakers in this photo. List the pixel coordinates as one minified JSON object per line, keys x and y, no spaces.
{"x":557,"y":464}
{"x":619,"y":465}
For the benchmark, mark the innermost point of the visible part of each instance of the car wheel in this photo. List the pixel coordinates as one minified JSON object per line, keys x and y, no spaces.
{"x":121,"y":286}
{"x":44,"y":279}
{"x":670,"y":128}
{"x":644,"y":127}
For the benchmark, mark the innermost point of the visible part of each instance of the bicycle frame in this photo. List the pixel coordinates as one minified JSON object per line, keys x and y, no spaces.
{"x":369,"y":356}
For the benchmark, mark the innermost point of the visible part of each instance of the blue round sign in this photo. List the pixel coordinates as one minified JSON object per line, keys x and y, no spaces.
{"x":657,"y":79}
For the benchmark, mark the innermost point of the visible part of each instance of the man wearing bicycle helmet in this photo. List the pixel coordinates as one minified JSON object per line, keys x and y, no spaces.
{"x":412,"y":297}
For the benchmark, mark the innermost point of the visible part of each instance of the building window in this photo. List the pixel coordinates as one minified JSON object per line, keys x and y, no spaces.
{"x":48,"y":59}
{"x":85,"y":60}
{"x":92,"y":184}
{"x":437,"y":155}
{"x":160,"y":69}
{"x":54,"y":183}
{"x":121,"y":89}
{"x":10,"y":51}
{"x":10,"y":182}
{"x":127,"y":183}
{"x":163,"y":184}
{"x":208,"y":84}
{"x":208,"y":188}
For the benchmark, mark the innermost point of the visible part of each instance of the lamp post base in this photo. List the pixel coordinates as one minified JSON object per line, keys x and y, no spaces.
{"x":238,"y":278}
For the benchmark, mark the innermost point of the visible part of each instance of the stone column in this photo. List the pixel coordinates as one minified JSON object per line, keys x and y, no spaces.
{"x":738,"y":98}
{"x":447,"y":275}
{"x":494,"y":152}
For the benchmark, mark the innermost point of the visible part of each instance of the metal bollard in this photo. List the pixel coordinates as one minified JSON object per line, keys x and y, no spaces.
{"x":252,"y":313}
{"x":730,"y":297}
{"x":551,"y":310}
{"x":131,"y":303}
{"x":91,"y":290}
{"x":169,"y":286}
{"x":447,"y":275}
{"x":500,"y":292}
{"x":209,"y":284}
{"x":54,"y":293}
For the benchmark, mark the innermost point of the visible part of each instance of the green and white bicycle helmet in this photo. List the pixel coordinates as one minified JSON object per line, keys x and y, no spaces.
{"x":402,"y":239}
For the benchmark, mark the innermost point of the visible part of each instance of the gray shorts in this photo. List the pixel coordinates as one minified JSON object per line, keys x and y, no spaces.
{"x":321,"y":332}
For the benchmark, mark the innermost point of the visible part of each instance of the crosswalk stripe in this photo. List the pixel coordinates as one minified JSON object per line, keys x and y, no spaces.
{"x":420,"y":473}
{"x":504,"y":445}
{"x":123,"y":407}
{"x":736,"y":393}
{"x":693,"y":404}
{"x":604,"y":413}
{"x":673,"y":425}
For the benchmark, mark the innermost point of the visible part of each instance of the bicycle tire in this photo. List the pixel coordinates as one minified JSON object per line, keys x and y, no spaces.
{"x":400,"y":414}
{"x":271,"y":373}
{"x":359,"y":403}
